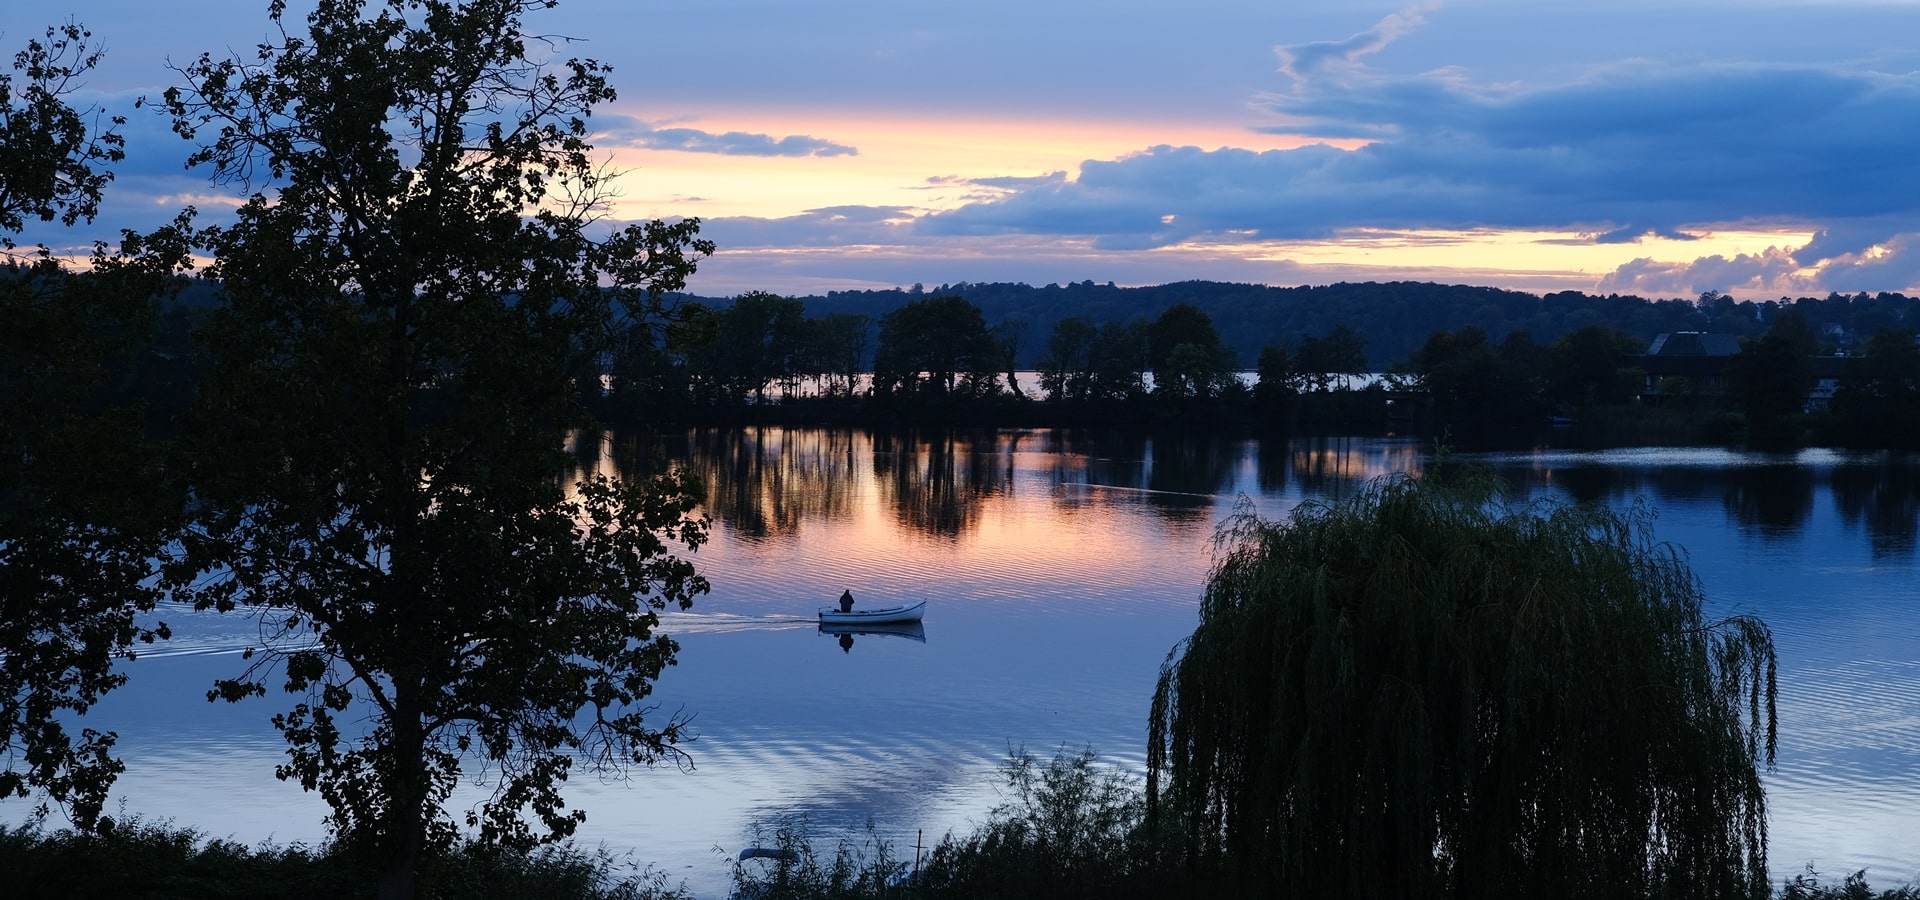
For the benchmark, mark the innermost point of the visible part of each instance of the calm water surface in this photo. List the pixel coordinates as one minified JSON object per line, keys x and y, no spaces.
{"x":1059,"y":570}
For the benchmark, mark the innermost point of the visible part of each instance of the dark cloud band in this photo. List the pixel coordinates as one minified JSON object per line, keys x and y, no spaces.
{"x":631,"y":132}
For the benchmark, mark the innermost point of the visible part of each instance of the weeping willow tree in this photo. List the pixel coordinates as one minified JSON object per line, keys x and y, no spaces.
{"x":1425,"y":691}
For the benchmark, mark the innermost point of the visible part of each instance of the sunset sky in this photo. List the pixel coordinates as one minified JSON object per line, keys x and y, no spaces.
{"x":1659,"y":148}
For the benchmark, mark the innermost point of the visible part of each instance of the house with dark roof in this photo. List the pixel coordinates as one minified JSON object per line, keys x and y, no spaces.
{"x":1697,"y":361}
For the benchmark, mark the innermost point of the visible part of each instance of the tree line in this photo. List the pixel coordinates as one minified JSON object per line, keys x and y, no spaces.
{"x":1762,"y":394}
{"x":1396,"y":317}
{"x":938,"y":359}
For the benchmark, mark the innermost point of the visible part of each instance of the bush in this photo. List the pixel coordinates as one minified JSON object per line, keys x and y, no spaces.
{"x":1807,"y":886}
{"x":155,"y":860}
{"x":1070,"y":828}
{"x":797,"y":870}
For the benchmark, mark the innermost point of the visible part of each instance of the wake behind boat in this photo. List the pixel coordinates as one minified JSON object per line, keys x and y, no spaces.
{"x":908,"y":613}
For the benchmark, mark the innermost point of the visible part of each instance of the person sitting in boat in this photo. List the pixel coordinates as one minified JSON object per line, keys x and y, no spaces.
{"x":846,"y":601}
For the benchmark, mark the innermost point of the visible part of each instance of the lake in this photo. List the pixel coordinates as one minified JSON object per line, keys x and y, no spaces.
{"x":1059,"y":570}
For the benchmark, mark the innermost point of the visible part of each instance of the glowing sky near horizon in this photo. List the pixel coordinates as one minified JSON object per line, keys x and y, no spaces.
{"x":1760,"y":148}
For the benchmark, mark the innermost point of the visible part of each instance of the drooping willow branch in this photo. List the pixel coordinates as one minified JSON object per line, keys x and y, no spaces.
{"x":1423,"y":691}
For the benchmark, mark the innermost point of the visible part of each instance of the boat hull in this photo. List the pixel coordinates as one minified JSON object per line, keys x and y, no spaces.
{"x":908,"y":613}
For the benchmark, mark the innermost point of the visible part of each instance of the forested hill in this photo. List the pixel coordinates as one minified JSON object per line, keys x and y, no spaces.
{"x":1394,"y":318}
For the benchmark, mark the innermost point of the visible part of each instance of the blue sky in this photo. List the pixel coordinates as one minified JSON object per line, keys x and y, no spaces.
{"x":1665,"y":149}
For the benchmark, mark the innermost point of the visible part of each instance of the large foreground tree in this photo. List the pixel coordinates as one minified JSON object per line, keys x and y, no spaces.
{"x":414,"y":295}
{"x":1422,"y":692}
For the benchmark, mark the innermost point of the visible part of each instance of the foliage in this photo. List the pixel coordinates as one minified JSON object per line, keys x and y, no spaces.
{"x":1188,"y":359}
{"x":1196,"y":372}
{"x":759,"y":340}
{"x":1181,"y":323}
{"x":84,"y":505}
{"x":1587,"y":368}
{"x":1274,"y":396}
{"x":1089,"y":363}
{"x":138,"y":858}
{"x":1770,"y":376}
{"x":937,"y":348}
{"x":1476,"y":383}
{"x":1460,"y":370}
{"x":412,"y":301}
{"x":1070,"y":827}
{"x":1426,"y":692}
{"x":56,"y":155}
{"x":1342,"y":353}
{"x":838,"y":350}
{"x":1395,"y":317}
{"x":561,"y":871}
{"x":1007,"y":338}
{"x":1066,"y":369}
{"x":796,"y":870}
{"x":1807,"y":886}
{"x":1878,"y":399}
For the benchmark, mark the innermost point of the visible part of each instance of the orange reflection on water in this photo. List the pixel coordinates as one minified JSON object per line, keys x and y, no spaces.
{"x":907,"y":513}
{"x":805,"y":513}
{"x":1344,"y":464}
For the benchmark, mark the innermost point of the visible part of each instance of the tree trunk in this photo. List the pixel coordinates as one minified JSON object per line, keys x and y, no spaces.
{"x":407,"y":793}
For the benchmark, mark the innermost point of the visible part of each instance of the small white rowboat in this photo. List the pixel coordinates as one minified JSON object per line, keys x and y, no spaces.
{"x":908,"y":613}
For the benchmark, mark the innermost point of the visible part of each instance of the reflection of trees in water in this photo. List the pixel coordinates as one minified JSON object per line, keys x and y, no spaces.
{"x":935,"y":481}
{"x":1772,"y":500}
{"x":1274,"y":459}
{"x":1591,"y":484}
{"x":1884,"y":496}
{"x":765,"y":481}
{"x":1110,"y":459}
{"x":1335,"y":467}
{"x":590,"y":451}
{"x":1681,"y":483}
{"x":641,"y":454}
{"x":1186,"y":474}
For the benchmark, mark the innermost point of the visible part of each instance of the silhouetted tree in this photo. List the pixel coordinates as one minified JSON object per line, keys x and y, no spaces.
{"x":1066,"y":371}
{"x":1877,"y":402}
{"x":1273,"y":394}
{"x":1195,"y":372}
{"x":56,"y":156}
{"x":409,"y":303}
{"x":758,"y":340}
{"x":1188,"y":358}
{"x":1771,"y":375}
{"x":1007,"y":337}
{"x":1340,"y":354}
{"x":837,"y":349}
{"x":1181,"y":323}
{"x":1423,"y":692}
{"x":1589,"y":368}
{"x":1118,"y":361}
{"x":85,"y":505}
{"x":927,"y":346}
{"x":1461,"y":371}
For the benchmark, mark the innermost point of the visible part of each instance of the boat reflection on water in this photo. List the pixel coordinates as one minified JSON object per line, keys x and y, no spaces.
{"x":913,"y":631}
